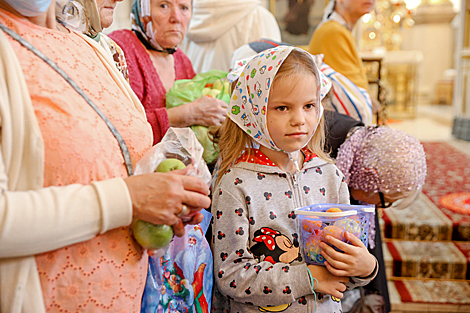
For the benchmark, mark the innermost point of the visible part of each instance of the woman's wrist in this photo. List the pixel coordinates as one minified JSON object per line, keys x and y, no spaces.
{"x":180,"y":116}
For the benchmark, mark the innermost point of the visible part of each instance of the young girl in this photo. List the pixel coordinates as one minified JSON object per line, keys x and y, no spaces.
{"x":272,"y":163}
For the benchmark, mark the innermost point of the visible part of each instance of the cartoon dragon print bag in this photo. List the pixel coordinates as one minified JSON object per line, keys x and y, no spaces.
{"x":181,"y":279}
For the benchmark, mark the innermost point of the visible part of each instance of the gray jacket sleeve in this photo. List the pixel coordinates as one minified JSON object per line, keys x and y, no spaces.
{"x":238,"y":274}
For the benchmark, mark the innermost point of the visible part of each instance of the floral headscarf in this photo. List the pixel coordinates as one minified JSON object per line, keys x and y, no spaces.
{"x":141,"y":20}
{"x":249,"y":100}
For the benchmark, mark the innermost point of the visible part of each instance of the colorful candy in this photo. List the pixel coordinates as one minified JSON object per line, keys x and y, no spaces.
{"x":314,"y":230}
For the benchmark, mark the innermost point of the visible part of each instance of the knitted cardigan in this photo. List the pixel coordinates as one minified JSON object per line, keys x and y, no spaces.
{"x":145,"y":81}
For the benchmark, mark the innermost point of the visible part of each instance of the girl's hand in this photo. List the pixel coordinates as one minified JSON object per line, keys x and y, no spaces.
{"x":327,"y":282}
{"x":354,"y":261}
{"x":204,"y":111}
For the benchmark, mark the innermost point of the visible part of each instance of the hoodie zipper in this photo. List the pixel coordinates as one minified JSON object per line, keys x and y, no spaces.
{"x":296,"y":189}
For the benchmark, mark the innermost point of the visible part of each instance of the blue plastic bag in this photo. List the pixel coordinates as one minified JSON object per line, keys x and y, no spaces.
{"x":180,"y":279}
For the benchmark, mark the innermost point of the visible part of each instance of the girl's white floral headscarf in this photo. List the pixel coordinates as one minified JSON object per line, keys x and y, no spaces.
{"x":250,"y":97}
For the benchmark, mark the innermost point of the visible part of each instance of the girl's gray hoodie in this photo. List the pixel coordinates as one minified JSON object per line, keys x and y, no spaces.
{"x":258,"y":265}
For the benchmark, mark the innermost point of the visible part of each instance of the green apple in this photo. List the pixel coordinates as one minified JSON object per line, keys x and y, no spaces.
{"x":218,"y":85}
{"x":169,"y":165}
{"x":151,"y":236}
{"x":205,"y":91}
{"x":214,"y":93}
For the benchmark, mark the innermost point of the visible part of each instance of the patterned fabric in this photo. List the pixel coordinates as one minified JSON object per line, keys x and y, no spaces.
{"x":108,"y":271}
{"x":257,"y":157}
{"x":116,"y":53}
{"x":258,"y":264}
{"x":348,"y":98}
{"x":249,"y":100}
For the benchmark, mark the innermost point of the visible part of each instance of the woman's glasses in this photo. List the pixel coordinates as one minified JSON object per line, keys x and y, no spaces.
{"x":384,"y":204}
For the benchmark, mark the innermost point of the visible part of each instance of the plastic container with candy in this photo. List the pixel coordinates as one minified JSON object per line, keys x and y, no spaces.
{"x":318,"y":220}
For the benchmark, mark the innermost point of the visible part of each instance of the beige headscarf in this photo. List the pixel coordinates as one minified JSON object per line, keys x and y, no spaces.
{"x":79,"y":15}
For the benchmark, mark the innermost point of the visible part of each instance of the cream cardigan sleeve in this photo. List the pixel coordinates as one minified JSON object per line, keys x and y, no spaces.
{"x":34,"y":219}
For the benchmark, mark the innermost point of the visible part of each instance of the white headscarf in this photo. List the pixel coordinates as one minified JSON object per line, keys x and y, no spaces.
{"x":248,"y":104}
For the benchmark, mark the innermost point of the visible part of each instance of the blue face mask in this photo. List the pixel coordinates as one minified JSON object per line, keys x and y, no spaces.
{"x":29,"y":7}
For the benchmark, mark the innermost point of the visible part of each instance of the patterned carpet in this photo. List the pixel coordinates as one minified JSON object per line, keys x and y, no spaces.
{"x":434,"y":291}
{"x":448,"y":173}
{"x":421,"y":221}
{"x":429,"y":242}
{"x":427,"y":259}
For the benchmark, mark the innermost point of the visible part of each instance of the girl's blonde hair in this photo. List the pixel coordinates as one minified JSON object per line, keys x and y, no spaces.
{"x":233,"y":141}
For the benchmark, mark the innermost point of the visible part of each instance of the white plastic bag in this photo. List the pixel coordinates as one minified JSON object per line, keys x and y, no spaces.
{"x":178,"y":143}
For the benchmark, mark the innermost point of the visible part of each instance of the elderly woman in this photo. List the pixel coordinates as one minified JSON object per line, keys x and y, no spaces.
{"x":66,"y":198}
{"x":385,"y":167}
{"x":333,"y":38}
{"x":155,"y":62}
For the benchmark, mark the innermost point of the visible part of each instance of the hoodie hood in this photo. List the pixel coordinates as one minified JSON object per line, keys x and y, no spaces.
{"x":212,"y":18}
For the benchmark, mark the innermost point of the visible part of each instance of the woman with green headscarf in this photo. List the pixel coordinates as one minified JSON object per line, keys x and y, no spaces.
{"x":155,"y":62}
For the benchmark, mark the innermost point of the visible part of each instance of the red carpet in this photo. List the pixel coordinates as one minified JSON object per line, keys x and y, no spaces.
{"x":464,"y":247}
{"x":434,"y":291}
{"x":429,"y":242}
{"x":428,"y":259}
{"x":448,"y":173}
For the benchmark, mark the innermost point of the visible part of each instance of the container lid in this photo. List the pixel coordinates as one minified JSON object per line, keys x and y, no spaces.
{"x":327,"y":214}
{"x":369,"y":209}
{"x":322,"y":207}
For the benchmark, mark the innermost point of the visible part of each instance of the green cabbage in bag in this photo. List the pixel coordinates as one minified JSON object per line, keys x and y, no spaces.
{"x":212,"y":83}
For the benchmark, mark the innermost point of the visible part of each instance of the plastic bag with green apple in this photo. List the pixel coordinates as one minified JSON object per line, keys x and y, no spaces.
{"x":213,"y":83}
{"x":178,"y":148}
{"x":179,"y":274}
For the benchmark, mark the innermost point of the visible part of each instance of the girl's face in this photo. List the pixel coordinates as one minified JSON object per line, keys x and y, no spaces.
{"x":170,"y":20}
{"x":292,"y":111}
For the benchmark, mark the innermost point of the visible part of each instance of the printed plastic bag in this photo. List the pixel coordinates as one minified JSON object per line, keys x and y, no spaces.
{"x":212,"y":83}
{"x":181,"y":280}
{"x":179,"y":277}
